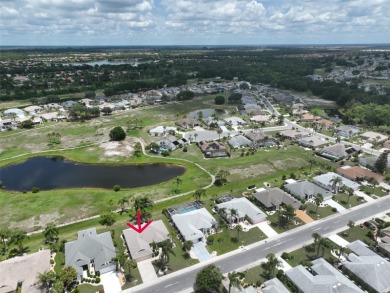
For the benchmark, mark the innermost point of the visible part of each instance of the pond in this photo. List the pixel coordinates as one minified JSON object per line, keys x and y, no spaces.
{"x":49,"y":173}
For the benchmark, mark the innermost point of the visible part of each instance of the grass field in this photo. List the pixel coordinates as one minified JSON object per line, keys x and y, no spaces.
{"x":308,"y":254}
{"x":357,"y":233}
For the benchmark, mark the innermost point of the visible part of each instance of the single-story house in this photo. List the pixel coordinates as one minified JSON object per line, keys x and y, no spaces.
{"x":261,"y":118}
{"x":234,"y":121}
{"x":24,"y":270}
{"x":347,"y":131}
{"x":372,"y":136}
{"x":274,"y":198}
{"x":273,"y":286}
{"x":244,"y":208}
{"x":322,"y":277}
{"x":14,"y":111}
{"x":324,"y":181}
{"x":313,"y":142}
{"x":209,"y":121}
{"x":138,"y":244}
{"x":308,"y":117}
{"x":187,"y":122}
{"x":53,"y":106}
{"x":324,"y":123}
{"x":384,"y":245}
{"x":259,"y":139}
{"x":292,"y":134}
{"x":239,"y":141}
{"x":194,"y":224}
{"x":386,"y":144}
{"x":358,"y":173}
{"x":307,"y":190}
{"x":336,"y":152}
{"x":32,"y":110}
{"x":68,"y":104}
{"x":52,"y":116}
{"x":369,"y":162}
{"x":7,"y":124}
{"x":253,"y":109}
{"x":371,"y":269}
{"x":161,"y":130}
{"x":91,"y":251}
{"x":213,"y":149}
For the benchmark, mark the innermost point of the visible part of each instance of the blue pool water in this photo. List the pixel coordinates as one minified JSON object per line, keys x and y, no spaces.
{"x":188,"y":210}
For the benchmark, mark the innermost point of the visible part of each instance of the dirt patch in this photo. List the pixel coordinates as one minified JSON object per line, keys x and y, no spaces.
{"x":39,"y":221}
{"x":289,"y":163}
{"x":252,"y":171}
{"x":117,"y":148}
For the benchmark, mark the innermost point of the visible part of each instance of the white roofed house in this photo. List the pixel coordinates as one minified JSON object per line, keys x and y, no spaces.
{"x":239,"y":141}
{"x":14,"y":112}
{"x":235,"y":121}
{"x":162,"y":130}
{"x":326,"y":181}
{"x":373,"y":136}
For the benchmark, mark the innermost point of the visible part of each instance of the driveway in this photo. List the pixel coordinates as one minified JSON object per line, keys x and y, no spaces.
{"x":338,"y":240}
{"x":201,"y":252}
{"x":266,"y":229}
{"x":365,"y":196}
{"x":147,"y":271}
{"x":303,"y":216}
{"x":334,"y":204}
{"x":110,"y":282}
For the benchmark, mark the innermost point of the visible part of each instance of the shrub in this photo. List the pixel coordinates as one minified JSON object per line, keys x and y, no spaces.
{"x":334,"y":210}
{"x":234,"y":239}
{"x":285,"y":255}
{"x":35,"y":190}
{"x":97,"y":280}
{"x":165,"y":153}
{"x":117,"y":134}
{"x":117,"y":187}
{"x":210,"y":240}
{"x":51,"y":261}
{"x":219,"y":100}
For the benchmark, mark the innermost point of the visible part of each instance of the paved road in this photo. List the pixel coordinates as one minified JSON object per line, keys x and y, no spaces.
{"x":287,"y":241}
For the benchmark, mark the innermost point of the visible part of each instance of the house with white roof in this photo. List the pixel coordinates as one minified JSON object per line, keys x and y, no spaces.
{"x":14,"y":111}
{"x":325,"y":181}
{"x":321,"y":277}
{"x":372,"y":136}
{"x":234,"y":121}
{"x":372,"y":270}
{"x":193,"y":225}
{"x":161,"y":130}
{"x":138,"y":244}
{"x":244,"y":209}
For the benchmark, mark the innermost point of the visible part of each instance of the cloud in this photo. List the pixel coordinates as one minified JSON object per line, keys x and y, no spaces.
{"x":193,"y":22}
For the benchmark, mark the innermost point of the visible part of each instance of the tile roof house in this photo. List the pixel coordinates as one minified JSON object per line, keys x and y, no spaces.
{"x":193,"y":225}
{"x":239,"y":141}
{"x":386,"y":144}
{"x":358,"y":173}
{"x":372,"y":136}
{"x":213,"y":149}
{"x":260,"y":139}
{"x":308,"y":118}
{"x":25,"y":270}
{"x":292,"y":134}
{"x":244,"y":209}
{"x":261,"y":118}
{"x":139,"y":243}
{"x":368,"y":267}
{"x":347,"y":131}
{"x":307,"y":190}
{"x":274,"y":286}
{"x":273,"y":198}
{"x":324,"y":123}
{"x":91,"y":251}
{"x":322,"y":277}
{"x":235,"y":121}
{"x":324,"y":181}
{"x":336,"y":152}
{"x":313,"y":142}
{"x":187,"y":122}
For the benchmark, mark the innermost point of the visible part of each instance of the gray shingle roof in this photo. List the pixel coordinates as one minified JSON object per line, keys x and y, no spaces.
{"x":306,"y":189}
{"x":89,"y":246}
{"x":274,"y":197}
{"x":139,"y":243}
{"x":324,"y":180}
{"x":239,"y":141}
{"x":368,"y":266}
{"x":325,"y":279}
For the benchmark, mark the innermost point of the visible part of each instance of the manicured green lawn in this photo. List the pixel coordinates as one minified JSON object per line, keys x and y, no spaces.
{"x":357,"y":233}
{"x":309,"y":253}
{"x":59,"y":259}
{"x":223,"y":241}
{"x":274,"y":223}
{"x":378,"y":191}
{"x":254,"y":275}
{"x":346,"y":202}
{"x":88,"y":288}
{"x":322,"y":212}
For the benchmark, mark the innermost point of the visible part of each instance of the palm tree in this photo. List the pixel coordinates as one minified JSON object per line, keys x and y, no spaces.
{"x":178,"y":181}
{"x":351,"y":224}
{"x":143,"y":204}
{"x":166,"y":249}
{"x":51,"y":233}
{"x":199,"y":193}
{"x":316,"y":237}
{"x":318,"y":200}
{"x":219,"y":131}
{"x":350,"y":192}
{"x":272,"y":263}
{"x":196,"y":135}
{"x":233,"y":213}
{"x":111,"y":203}
{"x":187,"y":245}
{"x":234,"y":280}
{"x":45,"y":280}
{"x":4,"y":236}
{"x":336,"y":183}
{"x":127,"y":266}
{"x":221,"y":176}
{"x":312,"y":162}
{"x":342,"y":250}
{"x":18,"y":237}
{"x":122,"y":201}
{"x":238,"y":229}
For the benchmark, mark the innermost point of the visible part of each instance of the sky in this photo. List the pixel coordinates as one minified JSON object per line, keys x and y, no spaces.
{"x":192,"y":22}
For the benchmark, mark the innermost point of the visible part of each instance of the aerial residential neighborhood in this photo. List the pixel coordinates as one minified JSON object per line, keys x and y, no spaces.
{"x":194,"y":168}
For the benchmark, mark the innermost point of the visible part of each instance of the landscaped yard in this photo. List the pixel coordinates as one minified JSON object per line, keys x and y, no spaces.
{"x":87,"y":288}
{"x":319,"y":213}
{"x":254,"y":275}
{"x":309,"y":253}
{"x":378,"y":191}
{"x":357,"y":233}
{"x":274,"y":223}
{"x":346,"y":202}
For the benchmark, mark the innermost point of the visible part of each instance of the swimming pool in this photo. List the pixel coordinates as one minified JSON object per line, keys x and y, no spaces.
{"x":188,"y":210}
